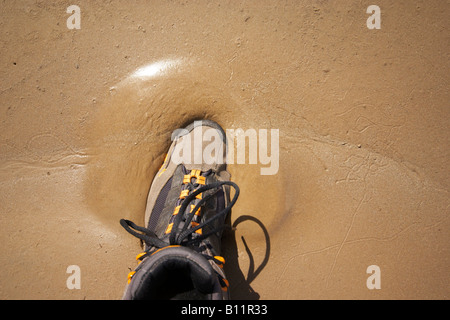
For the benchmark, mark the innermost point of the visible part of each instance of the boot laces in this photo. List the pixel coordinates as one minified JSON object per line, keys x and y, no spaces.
{"x":184,"y":228}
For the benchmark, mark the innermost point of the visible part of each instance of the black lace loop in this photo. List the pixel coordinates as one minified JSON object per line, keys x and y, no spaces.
{"x":149,"y":237}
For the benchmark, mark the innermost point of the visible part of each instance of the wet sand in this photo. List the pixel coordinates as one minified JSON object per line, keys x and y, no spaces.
{"x":364,"y":132}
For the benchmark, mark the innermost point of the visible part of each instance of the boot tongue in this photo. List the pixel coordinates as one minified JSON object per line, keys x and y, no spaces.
{"x":173,"y":272}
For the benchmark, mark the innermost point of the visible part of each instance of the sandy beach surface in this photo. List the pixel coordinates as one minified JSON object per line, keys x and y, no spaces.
{"x":363,"y":118}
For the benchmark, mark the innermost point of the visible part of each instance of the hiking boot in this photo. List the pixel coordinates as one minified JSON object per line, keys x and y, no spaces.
{"x":187,"y":206}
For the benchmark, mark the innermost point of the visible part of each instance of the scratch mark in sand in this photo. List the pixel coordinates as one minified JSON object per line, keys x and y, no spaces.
{"x":345,"y":238}
{"x":229,"y":61}
{"x":340,"y":245}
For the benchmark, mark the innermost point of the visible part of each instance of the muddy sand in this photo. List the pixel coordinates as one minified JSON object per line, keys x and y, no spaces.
{"x":363,"y":120}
